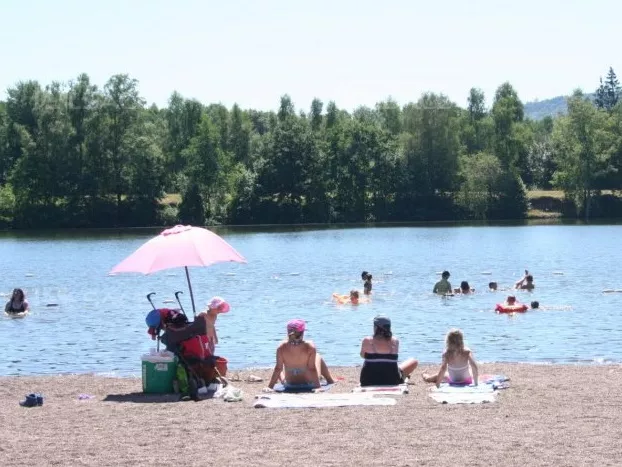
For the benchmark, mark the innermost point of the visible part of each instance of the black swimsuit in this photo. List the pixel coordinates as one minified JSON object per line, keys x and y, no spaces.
{"x":381,"y":369}
{"x":10,"y":308}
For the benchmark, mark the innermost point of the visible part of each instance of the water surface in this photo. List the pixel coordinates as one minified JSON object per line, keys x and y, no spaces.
{"x":98,"y":325}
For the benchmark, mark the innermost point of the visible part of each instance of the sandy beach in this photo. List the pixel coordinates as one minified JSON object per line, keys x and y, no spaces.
{"x":551,"y":415}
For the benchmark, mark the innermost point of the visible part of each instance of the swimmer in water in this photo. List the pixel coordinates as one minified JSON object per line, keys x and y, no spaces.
{"x":464,"y":289}
{"x":535,"y":305}
{"x":353,"y":298}
{"x":511,"y":301}
{"x":367,"y":286}
{"x":526,"y":283}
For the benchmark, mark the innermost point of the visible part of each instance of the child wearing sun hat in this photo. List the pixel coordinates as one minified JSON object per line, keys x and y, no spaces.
{"x":216,"y":306}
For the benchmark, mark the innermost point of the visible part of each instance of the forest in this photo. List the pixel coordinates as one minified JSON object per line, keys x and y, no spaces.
{"x":76,"y":155}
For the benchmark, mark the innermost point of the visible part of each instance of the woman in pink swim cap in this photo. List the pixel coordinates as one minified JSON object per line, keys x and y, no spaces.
{"x":298,"y":364}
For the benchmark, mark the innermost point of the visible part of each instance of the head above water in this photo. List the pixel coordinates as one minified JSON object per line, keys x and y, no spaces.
{"x":18,"y":294}
{"x":365,"y":276}
{"x":529,"y":279}
{"x":492,"y":285}
{"x":511,"y":299}
{"x":464,"y":286}
{"x":354,"y":296}
{"x":454,"y":340}
{"x":445,"y":275}
{"x":535,"y":304}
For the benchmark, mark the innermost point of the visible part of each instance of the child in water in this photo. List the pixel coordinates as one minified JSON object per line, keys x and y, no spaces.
{"x":353,"y":298}
{"x":367,"y":286}
{"x":456,"y":362}
{"x":465,"y":288}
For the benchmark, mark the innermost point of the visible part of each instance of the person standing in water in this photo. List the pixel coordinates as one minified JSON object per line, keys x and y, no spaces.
{"x":526,"y":283}
{"x":17,"y":303}
{"x":367,"y":286}
{"x":443,"y":287}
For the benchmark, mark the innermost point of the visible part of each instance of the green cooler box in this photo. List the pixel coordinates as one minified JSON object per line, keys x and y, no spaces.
{"x":159,"y":372}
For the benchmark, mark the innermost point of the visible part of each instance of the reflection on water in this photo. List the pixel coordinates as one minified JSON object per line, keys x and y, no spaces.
{"x":98,"y":325}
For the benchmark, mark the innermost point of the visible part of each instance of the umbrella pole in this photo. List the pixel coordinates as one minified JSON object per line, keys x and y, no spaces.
{"x":194,"y":311}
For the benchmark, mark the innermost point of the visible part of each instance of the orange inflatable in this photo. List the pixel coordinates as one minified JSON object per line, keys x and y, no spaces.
{"x":518,"y":308}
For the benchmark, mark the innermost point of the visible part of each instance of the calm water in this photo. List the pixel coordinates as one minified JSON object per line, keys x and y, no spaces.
{"x":99,"y":323}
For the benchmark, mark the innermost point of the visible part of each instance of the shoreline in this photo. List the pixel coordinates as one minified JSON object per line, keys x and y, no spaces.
{"x":137,"y":373}
{"x":550,"y":415}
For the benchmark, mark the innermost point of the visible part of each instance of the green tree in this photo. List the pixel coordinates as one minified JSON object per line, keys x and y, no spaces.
{"x":608,"y":93}
{"x":580,"y":143}
{"x":481,"y":176}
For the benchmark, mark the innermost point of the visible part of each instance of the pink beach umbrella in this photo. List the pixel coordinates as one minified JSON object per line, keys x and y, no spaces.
{"x":177,"y":247}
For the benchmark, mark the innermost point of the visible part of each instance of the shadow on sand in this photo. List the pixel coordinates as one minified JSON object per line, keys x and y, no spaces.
{"x":142,"y":398}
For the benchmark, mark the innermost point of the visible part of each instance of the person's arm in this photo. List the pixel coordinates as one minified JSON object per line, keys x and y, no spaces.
{"x":313,"y":367}
{"x":278,"y":368}
{"x":364,"y":346}
{"x":7,"y":307}
{"x":441,"y":372}
{"x":474,"y":368}
{"x":519,"y":284}
{"x":435,"y":289}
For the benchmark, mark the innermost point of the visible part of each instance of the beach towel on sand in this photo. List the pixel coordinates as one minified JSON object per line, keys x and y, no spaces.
{"x":318,"y":400}
{"x":469,"y":394}
{"x":384,"y":390}
{"x":278,"y":387}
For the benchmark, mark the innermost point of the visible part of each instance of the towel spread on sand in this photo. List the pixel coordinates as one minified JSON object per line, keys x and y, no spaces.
{"x":469,"y":394}
{"x":278,"y":387}
{"x":318,"y":400}
{"x":384,"y":390}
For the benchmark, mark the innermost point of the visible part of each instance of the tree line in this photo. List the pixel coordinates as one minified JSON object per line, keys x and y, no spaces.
{"x":75,"y":155}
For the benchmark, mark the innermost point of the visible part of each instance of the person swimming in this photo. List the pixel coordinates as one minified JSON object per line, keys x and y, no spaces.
{"x":354,"y":298}
{"x":526,"y":283}
{"x":464,"y":289}
{"x":367,"y":286}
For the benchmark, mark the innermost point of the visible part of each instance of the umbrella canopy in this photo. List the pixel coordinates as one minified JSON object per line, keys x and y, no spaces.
{"x":180,"y":246}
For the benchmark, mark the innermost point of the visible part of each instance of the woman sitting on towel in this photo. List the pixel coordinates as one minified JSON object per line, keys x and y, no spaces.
{"x":456,"y":361}
{"x":298,"y":365}
{"x":381,"y":367}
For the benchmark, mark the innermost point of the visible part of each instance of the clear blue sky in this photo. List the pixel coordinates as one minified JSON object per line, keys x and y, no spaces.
{"x":353,"y":52}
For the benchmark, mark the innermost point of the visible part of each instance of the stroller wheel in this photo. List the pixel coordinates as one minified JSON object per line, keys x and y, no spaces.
{"x":193,"y":388}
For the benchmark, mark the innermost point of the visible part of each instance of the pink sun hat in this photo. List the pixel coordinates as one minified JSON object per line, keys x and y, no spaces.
{"x":219,"y":304}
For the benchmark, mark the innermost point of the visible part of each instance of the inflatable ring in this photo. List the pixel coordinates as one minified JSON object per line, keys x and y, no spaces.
{"x":501,"y":308}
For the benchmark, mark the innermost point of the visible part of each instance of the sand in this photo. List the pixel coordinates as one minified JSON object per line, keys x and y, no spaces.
{"x":551,"y":415}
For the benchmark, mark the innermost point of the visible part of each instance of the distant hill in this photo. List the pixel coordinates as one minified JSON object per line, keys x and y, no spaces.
{"x":537,"y":110}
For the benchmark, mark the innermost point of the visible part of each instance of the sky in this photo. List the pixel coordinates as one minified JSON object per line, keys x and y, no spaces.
{"x":353,"y":52}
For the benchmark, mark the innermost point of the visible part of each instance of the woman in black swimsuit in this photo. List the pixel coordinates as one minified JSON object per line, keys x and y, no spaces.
{"x":18,"y":303}
{"x":380,"y":354}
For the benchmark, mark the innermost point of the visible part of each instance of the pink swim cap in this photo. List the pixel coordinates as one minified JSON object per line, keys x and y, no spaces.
{"x":296,"y":325}
{"x":219,"y":304}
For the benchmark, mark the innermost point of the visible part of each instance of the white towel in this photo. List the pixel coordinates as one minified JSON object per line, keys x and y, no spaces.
{"x":319,"y":400}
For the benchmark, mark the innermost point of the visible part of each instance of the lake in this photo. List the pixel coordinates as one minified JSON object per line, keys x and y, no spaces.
{"x":98,"y":325}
